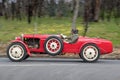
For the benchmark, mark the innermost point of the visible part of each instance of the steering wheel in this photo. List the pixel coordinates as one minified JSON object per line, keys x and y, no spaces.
{"x":63,"y":36}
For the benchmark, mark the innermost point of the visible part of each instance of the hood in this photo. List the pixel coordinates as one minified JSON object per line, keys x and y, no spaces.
{"x":43,"y":36}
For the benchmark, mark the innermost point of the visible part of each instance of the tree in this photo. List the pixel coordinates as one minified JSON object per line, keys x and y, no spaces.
{"x":18,"y":10}
{"x":32,"y":9}
{"x":60,"y":8}
{"x":86,"y":15}
{"x":94,"y":7}
{"x":110,"y":9}
{"x":1,"y":9}
{"x":29,"y":11}
{"x":40,"y":5}
{"x":75,"y":15}
{"x":97,"y":10}
{"x":5,"y":8}
{"x":51,"y":8}
{"x":13,"y":10}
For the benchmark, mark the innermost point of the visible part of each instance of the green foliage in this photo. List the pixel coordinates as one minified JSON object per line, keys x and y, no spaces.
{"x":107,"y":30}
{"x":10,"y":29}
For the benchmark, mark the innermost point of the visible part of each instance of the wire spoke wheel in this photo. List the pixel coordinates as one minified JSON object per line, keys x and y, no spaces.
{"x":53,"y":45}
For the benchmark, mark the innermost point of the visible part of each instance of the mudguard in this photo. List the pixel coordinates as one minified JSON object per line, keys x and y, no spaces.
{"x":28,"y":51}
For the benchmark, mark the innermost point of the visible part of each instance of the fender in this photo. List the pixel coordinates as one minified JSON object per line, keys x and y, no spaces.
{"x":28,"y":51}
{"x":88,"y":43}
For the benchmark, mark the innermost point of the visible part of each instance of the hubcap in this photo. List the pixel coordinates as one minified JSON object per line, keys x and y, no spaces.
{"x":90,"y":53}
{"x":53,"y":45}
{"x":16,"y":52}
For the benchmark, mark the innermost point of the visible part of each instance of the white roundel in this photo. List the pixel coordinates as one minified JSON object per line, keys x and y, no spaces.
{"x":90,"y":53}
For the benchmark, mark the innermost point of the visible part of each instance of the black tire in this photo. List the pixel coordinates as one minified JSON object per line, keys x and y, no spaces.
{"x":80,"y":56}
{"x":53,"y":45}
{"x":90,"y":53}
{"x":27,"y":56}
{"x":16,"y":52}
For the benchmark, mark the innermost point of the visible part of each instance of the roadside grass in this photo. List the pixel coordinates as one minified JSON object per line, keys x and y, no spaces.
{"x":106,"y":30}
{"x":10,"y":29}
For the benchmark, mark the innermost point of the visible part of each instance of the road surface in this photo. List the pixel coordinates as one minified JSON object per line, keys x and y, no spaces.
{"x":59,"y":69}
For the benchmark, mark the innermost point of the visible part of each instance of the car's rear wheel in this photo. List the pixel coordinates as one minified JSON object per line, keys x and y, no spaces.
{"x":16,"y":52}
{"x":53,"y":45}
{"x":90,"y":53}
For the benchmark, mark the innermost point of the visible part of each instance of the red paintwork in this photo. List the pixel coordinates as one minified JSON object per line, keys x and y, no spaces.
{"x":105,"y":46}
{"x":18,"y":40}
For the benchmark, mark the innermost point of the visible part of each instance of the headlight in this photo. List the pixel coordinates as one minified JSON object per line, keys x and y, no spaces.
{"x":22,"y":37}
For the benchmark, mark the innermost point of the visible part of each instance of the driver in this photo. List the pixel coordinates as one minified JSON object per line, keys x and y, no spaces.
{"x":73,"y":38}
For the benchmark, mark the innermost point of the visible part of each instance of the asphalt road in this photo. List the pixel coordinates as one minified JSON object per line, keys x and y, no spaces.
{"x":59,"y":69}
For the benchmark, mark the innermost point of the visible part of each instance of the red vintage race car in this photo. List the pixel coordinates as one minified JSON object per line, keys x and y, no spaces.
{"x":89,"y":49}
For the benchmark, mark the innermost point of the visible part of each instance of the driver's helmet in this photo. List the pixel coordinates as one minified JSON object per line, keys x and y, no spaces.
{"x":74,"y":31}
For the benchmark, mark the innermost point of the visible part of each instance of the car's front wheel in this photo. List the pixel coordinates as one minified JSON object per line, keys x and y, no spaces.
{"x":16,"y":52}
{"x":90,"y":53}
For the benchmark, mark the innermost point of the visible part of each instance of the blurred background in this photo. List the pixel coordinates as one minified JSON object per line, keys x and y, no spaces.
{"x":93,"y":18}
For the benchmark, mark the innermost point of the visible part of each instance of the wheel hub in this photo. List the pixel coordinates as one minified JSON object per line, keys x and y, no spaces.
{"x":16,"y":52}
{"x":90,"y":53}
{"x":53,"y":45}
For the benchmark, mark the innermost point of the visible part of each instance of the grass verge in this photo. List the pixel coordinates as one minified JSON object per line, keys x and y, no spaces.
{"x":10,"y":29}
